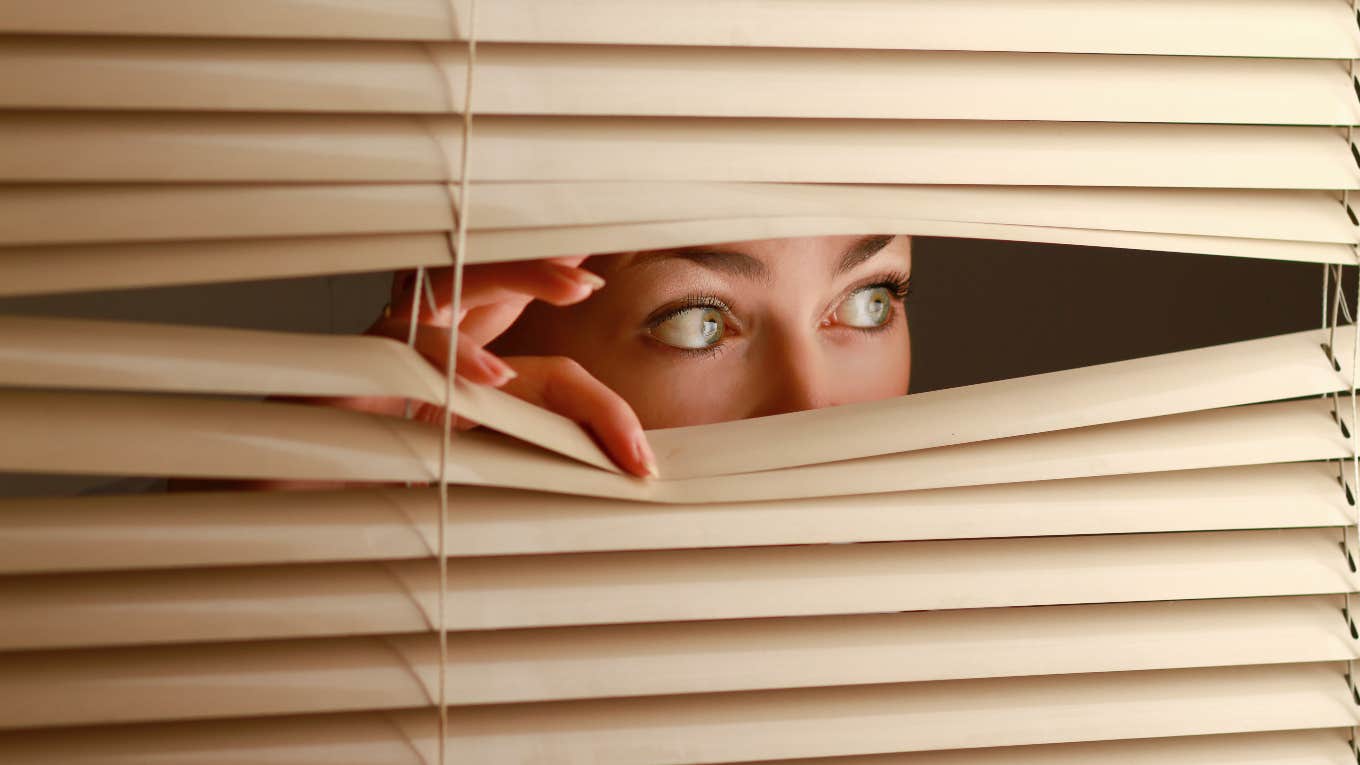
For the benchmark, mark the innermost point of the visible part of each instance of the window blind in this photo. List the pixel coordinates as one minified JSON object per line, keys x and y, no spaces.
{"x":1158,"y":567}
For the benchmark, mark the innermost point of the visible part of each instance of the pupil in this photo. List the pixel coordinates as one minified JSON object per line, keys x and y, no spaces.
{"x":710,"y":330}
{"x":878,"y":307}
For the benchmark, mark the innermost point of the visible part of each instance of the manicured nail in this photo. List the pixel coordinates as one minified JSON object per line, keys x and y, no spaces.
{"x":581,"y":277}
{"x":594,"y":281}
{"x":494,"y":368}
{"x":643,"y":452}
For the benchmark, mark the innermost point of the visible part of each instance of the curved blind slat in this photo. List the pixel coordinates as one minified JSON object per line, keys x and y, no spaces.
{"x":123,"y":685}
{"x":358,"y":598}
{"x":886,"y":718}
{"x":257,"y":528}
{"x":125,"y":434}
{"x":69,"y":353}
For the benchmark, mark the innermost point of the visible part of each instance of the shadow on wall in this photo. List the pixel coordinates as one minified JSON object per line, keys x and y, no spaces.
{"x":986,"y":310}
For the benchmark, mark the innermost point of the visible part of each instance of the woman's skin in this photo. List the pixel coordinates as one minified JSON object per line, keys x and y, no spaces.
{"x":677,"y":337}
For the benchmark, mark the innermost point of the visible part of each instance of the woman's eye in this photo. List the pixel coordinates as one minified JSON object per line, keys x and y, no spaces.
{"x":866,"y":308}
{"x":693,"y":328}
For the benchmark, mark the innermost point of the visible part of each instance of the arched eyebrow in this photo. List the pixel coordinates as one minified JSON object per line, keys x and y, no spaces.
{"x":860,"y":251}
{"x":731,"y":262}
{"x":740,"y":264}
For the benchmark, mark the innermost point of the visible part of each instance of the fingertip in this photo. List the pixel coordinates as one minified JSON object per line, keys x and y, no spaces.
{"x":643,"y":458}
{"x":577,"y":284}
{"x":485,"y":367}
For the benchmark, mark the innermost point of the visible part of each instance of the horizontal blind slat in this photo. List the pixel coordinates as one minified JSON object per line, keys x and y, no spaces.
{"x":1300,"y":28}
{"x":54,"y":269}
{"x":27,"y":270}
{"x":68,"y":610}
{"x":498,"y":245}
{"x":376,"y":148}
{"x":69,"y":214}
{"x":106,"y":686}
{"x":111,"y":355}
{"x":1287,"y":366}
{"x":1300,"y":747}
{"x":74,"y":214}
{"x":258,"y":528}
{"x":124,"y":434}
{"x":1271,"y":214}
{"x":292,"y":76}
{"x":762,"y":725}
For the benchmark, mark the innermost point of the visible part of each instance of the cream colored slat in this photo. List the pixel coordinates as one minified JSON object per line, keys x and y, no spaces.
{"x":39,"y":352}
{"x":217,"y":529}
{"x":94,"y":609}
{"x":36,"y":215}
{"x":222,"y":75}
{"x":1302,"y":28}
{"x":1306,"y":216}
{"x":377,"y":148}
{"x":1301,"y":747}
{"x":52,"y":214}
{"x":41,"y":270}
{"x":67,"y":268}
{"x":936,"y":151}
{"x":241,"y":75}
{"x":726,"y":728}
{"x":1287,"y":366}
{"x":1175,"y":442}
{"x":735,"y":82}
{"x":527,"y":244}
{"x":1042,"y":25}
{"x":249,"y":679}
{"x":346,"y":19}
{"x":124,"y":434}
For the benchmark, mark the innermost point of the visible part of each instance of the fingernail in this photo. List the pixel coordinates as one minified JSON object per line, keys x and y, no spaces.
{"x":582,"y":277}
{"x":494,"y":368}
{"x":643,"y":452}
{"x":594,"y":281}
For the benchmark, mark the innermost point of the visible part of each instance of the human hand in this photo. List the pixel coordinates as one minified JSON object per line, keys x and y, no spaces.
{"x":494,"y":296}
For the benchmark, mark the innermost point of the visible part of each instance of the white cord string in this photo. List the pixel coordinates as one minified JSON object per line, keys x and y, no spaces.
{"x":1354,"y":430}
{"x":459,"y":258}
{"x":409,"y":407}
{"x":1355,"y":501}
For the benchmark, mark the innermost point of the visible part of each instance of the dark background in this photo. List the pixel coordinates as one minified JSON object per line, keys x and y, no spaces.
{"x":984,"y":310}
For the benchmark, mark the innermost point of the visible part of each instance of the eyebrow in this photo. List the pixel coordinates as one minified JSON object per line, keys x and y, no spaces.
{"x":861,"y":251}
{"x":713,"y":258}
{"x":740,"y":264}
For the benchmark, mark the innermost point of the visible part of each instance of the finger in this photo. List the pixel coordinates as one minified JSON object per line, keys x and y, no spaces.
{"x":568,"y":260}
{"x":565,"y":387}
{"x":486,"y":284}
{"x":474,"y":363}
{"x":546,"y":280}
{"x":434,"y":415}
{"x":488,"y":322}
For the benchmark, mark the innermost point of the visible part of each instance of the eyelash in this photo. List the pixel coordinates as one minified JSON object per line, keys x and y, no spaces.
{"x":685,"y":304}
{"x":898,"y":283}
